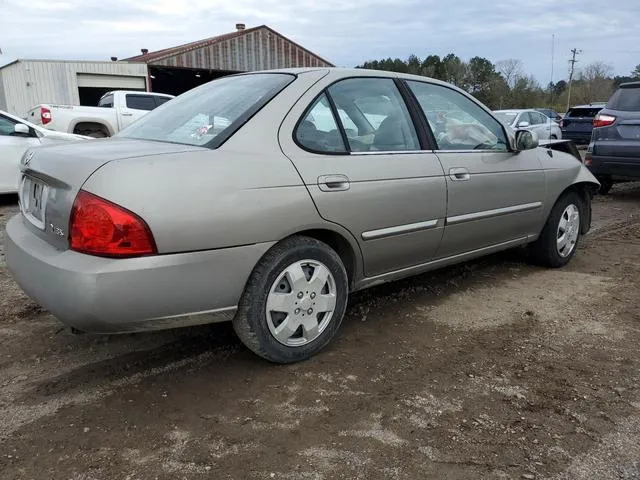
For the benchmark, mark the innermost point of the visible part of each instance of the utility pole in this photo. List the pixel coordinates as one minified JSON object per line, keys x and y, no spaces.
{"x":573,"y":62}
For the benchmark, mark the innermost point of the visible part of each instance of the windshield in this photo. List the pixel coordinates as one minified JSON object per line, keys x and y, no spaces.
{"x":206,"y":116}
{"x":506,"y":117}
{"x":583,"y":112}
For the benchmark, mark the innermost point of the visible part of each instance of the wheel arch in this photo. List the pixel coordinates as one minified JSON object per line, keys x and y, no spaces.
{"x":344,"y":245}
{"x":586,"y":189}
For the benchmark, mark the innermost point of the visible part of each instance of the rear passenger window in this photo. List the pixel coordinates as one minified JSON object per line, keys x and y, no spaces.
{"x":162,"y":100}
{"x":140,"y":102}
{"x":318,"y":131}
{"x":106,"y":102}
{"x":378,"y":119}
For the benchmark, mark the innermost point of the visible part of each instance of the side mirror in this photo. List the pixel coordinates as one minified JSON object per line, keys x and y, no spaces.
{"x":526,"y":140}
{"x":21,"y":129}
{"x":523,"y":124}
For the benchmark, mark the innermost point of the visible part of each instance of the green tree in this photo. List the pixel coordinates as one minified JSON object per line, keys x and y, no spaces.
{"x":453,"y":70}
{"x":636,"y":72}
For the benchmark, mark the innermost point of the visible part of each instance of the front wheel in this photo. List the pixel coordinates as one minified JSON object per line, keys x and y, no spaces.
{"x":558,"y":241}
{"x":294,"y":301}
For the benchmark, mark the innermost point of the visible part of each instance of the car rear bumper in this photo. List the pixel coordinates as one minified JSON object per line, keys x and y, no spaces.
{"x":578,"y":137}
{"x":622,"y":168}
{"x":103,"y":295}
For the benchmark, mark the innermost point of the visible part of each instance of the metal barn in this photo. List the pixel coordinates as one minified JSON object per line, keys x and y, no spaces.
{"x":177,"y":69}
{"x":25,"y":83}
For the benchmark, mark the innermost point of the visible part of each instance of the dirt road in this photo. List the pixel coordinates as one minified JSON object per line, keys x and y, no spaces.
{"x":493,"y":369}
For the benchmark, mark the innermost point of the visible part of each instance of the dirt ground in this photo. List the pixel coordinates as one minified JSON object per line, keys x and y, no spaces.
{"x":492,"y":369}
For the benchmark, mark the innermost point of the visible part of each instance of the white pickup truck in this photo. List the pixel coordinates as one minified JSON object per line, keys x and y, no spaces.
{"x":115,"y":111}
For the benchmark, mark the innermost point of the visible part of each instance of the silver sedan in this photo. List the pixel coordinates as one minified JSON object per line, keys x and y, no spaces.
{"x":532,"y":120}
{"x":266,"y":198}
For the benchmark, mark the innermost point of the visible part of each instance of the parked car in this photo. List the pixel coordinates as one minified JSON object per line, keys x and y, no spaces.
{"x":552,"y":114}
{"x":577,"y":123}
{"x":614,"y":152}
{"x":531,"y":120}
{"x":17,"y":136}
{"x":271,"y":219}
{"x":115,"y":111}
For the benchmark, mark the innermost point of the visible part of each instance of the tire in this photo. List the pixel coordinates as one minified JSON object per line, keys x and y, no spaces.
{"x":553,"y":137}
{"x":97,"y":134}
{"x":546,"y":249}
{"x":291,"y":337}
{"x":605,"y":186}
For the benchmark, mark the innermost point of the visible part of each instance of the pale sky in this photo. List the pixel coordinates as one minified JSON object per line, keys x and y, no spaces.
{"x":345,"y":32}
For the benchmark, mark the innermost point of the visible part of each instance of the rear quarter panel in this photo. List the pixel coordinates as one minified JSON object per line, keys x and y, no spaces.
{"x":242,"y":193}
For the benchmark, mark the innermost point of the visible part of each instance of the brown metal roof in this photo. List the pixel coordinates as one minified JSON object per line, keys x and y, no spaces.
{"x":169,"y":52}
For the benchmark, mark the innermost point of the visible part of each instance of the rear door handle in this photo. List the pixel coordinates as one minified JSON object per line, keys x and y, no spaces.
{"x":127,"y":114}
{"x":459,"y":174}
{"x":333,"y":183}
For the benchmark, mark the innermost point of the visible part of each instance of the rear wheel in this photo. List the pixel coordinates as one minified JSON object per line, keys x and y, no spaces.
{"x":554,"y":137}
{"x":294,"y":301}
{"x":558,"y":241}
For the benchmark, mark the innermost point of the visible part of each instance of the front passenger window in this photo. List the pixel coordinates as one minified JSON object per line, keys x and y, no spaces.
{"x":457,"y":122}
{"x":318,"y":130}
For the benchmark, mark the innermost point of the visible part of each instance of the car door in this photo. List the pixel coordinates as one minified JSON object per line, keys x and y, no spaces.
{"x":12,"y":147}
{"x":541,"y":125}
{"x":495,"y":195}
{"x":359,"y":153}
{"x":136,"y":106}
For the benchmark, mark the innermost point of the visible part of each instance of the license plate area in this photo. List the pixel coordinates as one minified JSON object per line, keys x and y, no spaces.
{"x":33,"y":198}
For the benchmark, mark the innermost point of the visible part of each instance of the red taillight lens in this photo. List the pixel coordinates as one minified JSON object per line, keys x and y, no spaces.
{"x":45,"y":115}
{"x":561,"y":123}
{"x":588,"y":160}
{"x":603,"y":120}
{"x":99,"y":227}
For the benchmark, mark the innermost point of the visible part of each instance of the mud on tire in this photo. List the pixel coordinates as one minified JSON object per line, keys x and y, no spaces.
{"x":277,"y":283}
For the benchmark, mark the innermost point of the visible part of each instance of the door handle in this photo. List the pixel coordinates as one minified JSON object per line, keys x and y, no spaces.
{"x":333,"y":183}
{"x":459,"y":174}
{"x":124,"y":114}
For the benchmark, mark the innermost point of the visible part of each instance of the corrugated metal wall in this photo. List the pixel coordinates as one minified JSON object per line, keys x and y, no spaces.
{"x":262,"y":49}
{"x":29,"y":82}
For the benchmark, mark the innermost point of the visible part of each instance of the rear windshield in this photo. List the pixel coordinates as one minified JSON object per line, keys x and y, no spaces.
{"x":209,"y":114}
{"x":583,"y":112}
{"x":625,"y":99}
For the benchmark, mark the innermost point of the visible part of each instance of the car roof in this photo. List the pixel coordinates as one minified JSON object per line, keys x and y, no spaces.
{"x":341,"y":72}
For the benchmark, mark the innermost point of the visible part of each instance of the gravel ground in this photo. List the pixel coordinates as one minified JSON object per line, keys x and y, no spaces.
{"x":492,"y":369}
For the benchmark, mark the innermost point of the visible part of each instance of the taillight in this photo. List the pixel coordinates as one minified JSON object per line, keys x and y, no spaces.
{"x":99,"y":227}
{"x":561,"y":123}
{"x":45,"y":115}
{"x":603,"y":120}
{"x":588,"y":159}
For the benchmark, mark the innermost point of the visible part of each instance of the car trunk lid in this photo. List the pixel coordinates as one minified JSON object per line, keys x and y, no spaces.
{"x":579,"y":119}
{"x":52,"y":176}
